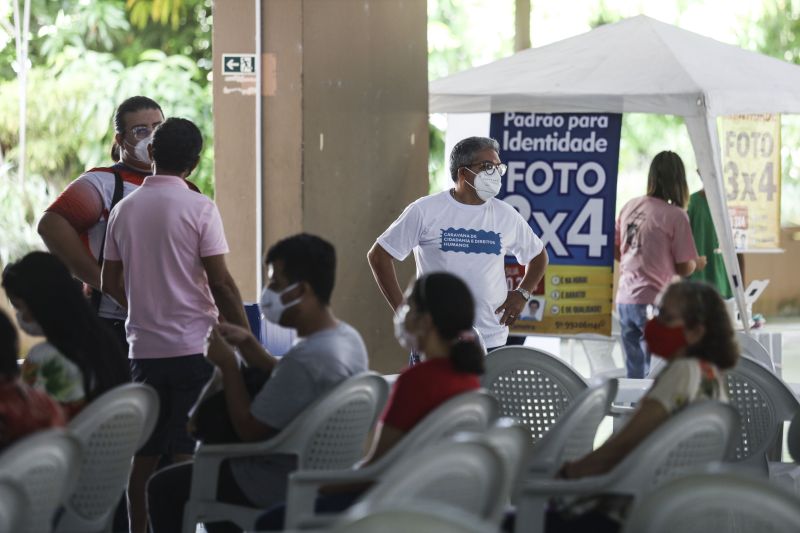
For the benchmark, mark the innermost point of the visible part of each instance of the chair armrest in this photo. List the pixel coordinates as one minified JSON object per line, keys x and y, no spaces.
{"x":208,"y":458}
{"x":566,"y":487}
{"x":304,"y":486}
{"x":621,"y":410}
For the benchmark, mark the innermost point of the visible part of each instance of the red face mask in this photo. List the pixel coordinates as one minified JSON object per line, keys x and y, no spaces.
{"x":663,"y":340}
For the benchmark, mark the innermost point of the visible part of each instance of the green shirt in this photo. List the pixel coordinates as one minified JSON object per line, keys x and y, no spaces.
{"x":705,"y":239}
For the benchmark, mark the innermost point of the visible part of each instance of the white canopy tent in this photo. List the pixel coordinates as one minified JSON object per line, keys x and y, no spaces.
{"x":638,"y":65}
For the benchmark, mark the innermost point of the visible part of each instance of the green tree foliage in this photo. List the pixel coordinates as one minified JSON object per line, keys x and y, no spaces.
{"x":777,"y":34}
{"x":85,"y":58}
{"x":458,"y":40}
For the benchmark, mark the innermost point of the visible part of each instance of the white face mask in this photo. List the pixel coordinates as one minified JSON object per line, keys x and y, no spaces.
{"x":31,"y":328}
{"x":486,"y":186}
{"x":140,"y":150}
{"x":407,"y":340}
{"x":272,"y":307}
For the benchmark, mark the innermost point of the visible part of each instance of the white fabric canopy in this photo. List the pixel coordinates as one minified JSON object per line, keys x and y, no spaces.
{"x":638,"y":65}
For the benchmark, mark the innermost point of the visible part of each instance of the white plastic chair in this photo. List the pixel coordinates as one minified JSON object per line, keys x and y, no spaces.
{"x":466,"y":474}
{"x":14,"y":506}
{"x":532,"y":386}
{"x":512,"y":441}
{"x":702,"y":503}
{"x":421,"y":517}
{"x":699,"y":435}
{"x":329,"y":434}
{"x":764,"y":403}
{"x":110,"y":430}
{"x":600,"y":356}
{"x":793,"y":438}
{"x":749,"y":346}
{"x":469,"y":411}
{"x":572,"y":436}
{"x":45,"y":465}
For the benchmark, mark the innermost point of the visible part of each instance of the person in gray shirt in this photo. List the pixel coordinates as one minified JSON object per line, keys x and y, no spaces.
{"x":301,"y":271}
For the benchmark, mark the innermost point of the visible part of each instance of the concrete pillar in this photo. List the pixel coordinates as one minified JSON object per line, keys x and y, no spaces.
{"x":345,"y":139}
{"x":235,"y":143}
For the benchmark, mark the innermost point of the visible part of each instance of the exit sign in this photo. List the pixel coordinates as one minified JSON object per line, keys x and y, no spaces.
{"x":239,"y":64}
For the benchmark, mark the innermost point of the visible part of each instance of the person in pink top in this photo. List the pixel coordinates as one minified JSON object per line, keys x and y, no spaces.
{"x":165,"y":262}
{"x":653,"y":243}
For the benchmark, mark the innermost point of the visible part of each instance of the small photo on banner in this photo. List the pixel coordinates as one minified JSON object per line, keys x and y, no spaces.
{"x":562,"y":178}
{"x":751,"y":173}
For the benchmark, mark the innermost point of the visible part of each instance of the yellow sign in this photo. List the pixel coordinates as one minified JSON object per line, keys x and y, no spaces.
{"x":751,"y":171}
{"x":576,"y":299}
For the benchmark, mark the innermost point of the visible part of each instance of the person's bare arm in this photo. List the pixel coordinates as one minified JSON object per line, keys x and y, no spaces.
{"x":382,"y":265}
{"x":224,"y":290}
{"x":385,"y":439}
{"x":254,"y":354}
{"x":63,"y":241}
{"x":112,"y":281}
{"x":247,"y":427}
{"x":644,"y":421}
{"x":685,"y":269}
{"x":515,"y":302}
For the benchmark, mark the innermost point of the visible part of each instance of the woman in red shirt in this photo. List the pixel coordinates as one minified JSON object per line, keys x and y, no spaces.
{"x":435,"y":321}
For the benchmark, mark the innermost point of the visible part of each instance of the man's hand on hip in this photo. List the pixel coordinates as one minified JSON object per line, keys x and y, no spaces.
{"x":511,"y":308}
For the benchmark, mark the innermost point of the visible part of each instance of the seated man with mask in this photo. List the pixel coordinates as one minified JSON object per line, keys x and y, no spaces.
{"x":301,"y":272}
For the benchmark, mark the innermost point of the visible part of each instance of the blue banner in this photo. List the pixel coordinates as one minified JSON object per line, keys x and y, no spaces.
{"x":562,"y":178}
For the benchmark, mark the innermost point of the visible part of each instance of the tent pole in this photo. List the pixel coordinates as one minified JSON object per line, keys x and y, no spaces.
{"x":705,"y":141}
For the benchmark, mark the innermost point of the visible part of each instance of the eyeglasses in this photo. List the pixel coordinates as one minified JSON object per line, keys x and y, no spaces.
{"x":141,"y":132}
{"x":490,"y":168}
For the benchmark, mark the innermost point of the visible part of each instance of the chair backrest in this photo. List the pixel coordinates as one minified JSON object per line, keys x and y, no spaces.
{"x":698,"y":436}
{"x":110,"y":430}
{"x":572,"y":436}
{"x":512,"y":441}
{"x":14,"y":508}
{"x":716,"y":502}
{"x":793,"y":437}
{"x":532,"y":386}
{"x":753,"y":349}
{"x":400,"y":519}
{"x":764,"y":402}
{"x":331,"y":433}
{"x":600,"y":356}
{"x":466,"y":474}
{"x":45,"y":465}
{"x":471,"y":411}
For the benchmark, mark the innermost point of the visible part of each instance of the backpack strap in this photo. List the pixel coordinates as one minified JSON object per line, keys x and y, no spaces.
{"x":97,"y":296}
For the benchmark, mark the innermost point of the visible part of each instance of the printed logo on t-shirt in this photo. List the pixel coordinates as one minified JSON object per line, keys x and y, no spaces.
{"x":631,"y":239}
{"x":470,"y":241}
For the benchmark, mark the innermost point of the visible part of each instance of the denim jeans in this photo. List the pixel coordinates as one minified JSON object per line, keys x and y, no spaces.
{"x":632,"y":318}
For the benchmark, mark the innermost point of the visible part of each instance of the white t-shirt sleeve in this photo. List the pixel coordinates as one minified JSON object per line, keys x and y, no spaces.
{"x":677,"y":385}
{"x":110,"y":250}
{"x":526,"y":244}
{"x":403,"y":234}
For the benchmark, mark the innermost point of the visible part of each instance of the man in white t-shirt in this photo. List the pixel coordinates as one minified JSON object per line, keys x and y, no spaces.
{"x":467,"y":232}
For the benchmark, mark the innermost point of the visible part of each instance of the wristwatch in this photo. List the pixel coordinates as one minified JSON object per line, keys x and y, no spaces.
{"x":525,"y":293}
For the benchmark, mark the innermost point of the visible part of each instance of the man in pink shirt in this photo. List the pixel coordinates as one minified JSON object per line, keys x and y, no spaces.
{"x":165,"y":261}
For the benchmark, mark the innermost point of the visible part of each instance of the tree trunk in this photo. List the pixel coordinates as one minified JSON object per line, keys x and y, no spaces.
{"x":522,"y":25}
{"x":21,"y":31}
